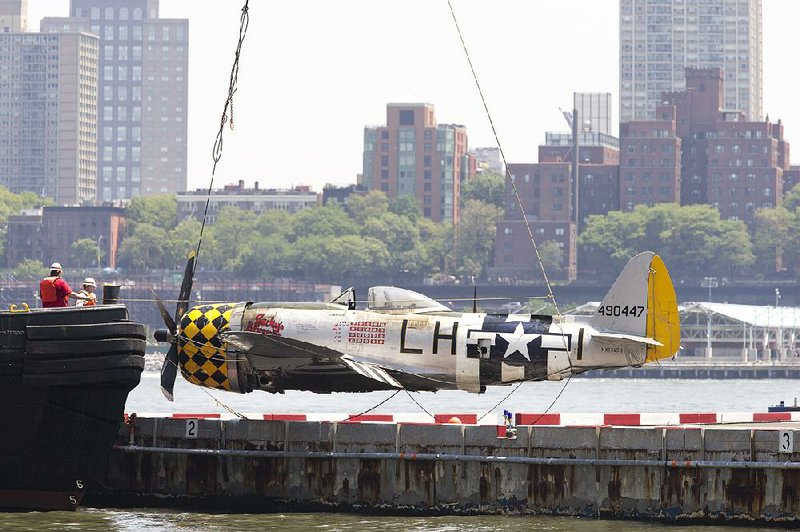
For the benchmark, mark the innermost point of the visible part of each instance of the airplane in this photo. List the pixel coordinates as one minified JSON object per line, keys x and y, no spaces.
{"x":405,"y":340}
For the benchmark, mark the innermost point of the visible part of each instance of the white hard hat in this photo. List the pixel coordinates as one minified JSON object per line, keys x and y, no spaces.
{"x":55,"y":266}
{"x":89,"y":281}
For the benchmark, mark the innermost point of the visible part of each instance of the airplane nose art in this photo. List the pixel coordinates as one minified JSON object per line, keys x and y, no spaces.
{"x":663,"y":322}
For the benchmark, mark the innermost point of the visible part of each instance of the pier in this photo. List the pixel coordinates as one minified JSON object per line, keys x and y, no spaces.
{"x":693,"y":467}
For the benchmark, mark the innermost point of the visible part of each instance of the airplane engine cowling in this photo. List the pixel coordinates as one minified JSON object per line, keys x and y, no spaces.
{"x":203,"y":357}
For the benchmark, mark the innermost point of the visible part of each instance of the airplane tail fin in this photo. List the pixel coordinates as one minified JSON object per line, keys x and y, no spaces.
{"x":642,"y":303}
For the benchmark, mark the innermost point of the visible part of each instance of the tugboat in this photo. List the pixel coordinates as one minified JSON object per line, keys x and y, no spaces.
{"x":783,"y":407}
{"x":65,"y":374}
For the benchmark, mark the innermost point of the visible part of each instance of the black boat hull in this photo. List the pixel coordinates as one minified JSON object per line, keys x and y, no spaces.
{"x":65,"y":375}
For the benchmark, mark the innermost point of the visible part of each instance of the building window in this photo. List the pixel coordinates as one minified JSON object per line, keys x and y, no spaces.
{"x":406,"y":117}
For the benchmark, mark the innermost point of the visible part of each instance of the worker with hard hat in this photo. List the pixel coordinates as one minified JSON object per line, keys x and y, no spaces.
{"x":54,"y":291}
{"x":89,"y":287}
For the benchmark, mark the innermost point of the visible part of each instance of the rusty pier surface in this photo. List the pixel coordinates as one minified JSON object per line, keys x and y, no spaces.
{"x":748,"y":473}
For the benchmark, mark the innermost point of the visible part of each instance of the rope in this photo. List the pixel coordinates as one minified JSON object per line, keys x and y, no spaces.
{"x":550,"y":295}
{"x":419,"y":405}
{"x":216,"y":153}
{"x":223,"y":405}
{"x":368,"y":410}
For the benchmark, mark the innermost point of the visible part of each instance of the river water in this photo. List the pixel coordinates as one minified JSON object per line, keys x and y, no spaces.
{"x":579,"y":395}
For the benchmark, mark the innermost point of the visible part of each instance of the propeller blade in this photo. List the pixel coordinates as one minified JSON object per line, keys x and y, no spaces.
{"x":186,"y":288}
{"x":169,"y":371}
{"x":168,"y":321}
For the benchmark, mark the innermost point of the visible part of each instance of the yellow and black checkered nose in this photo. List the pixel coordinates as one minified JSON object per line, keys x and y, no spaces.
{"x":200,"y":350}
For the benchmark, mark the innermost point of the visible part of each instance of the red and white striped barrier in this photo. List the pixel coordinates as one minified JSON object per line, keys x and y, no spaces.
{"x":652,"y":419}
{"x":472,"y":418}
{"x":551,"y":419}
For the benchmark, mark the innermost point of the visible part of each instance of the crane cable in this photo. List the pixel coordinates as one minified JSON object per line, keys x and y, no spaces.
{"x":550,"y":295}
{"x":216,"y":153}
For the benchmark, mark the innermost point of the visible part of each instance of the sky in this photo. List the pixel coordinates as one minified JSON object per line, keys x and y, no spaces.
{"x":314,"y":73}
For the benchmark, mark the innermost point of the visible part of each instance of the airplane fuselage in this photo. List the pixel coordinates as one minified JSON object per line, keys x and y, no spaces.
{"x":466,"y":350}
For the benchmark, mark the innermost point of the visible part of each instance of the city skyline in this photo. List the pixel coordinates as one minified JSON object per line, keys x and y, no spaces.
{"x":307,"y":87}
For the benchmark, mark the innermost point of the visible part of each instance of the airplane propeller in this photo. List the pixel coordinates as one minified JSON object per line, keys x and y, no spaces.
{"x":169,"y":370}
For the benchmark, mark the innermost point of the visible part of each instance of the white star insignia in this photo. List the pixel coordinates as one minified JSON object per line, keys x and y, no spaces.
{"x":517,"y":341}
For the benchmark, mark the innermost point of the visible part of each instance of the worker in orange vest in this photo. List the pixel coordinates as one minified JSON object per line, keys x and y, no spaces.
{"x":88,"y":290}
{"x":54,"y":291}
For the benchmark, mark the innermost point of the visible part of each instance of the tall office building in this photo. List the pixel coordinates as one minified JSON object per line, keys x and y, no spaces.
{"x":13,"y":16}
{"x":48,"y":110}
{"x":413,"y":155}
{"x":659,"y":39}
{"x":142,"y":93}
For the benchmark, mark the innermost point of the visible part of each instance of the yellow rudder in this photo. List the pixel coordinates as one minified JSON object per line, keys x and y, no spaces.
{"x":663,"y":322}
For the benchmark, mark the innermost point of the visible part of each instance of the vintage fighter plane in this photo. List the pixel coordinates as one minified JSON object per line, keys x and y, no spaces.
{"x":406,"y":340}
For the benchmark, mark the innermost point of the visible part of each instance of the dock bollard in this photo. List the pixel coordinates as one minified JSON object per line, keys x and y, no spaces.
{"x":110,"y":294}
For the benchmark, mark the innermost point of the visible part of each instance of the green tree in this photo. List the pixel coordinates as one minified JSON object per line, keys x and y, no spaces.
{"x":362,"y":208}
{"x":87,"y":252}
{"x":401,"y":238}
{"x":699,"y":243}
{"x":275,"y":222}
{"x":29,"y":269}
{"x":236,"y":228}
{"x":159,"y":211}
{"x":144,"y":249}
{"x":351,"y":256}
{"x":183,"y":239}
{"x":437,"y":240}
{"x":325,"y":221}
{"x":265,"y":257}
{"x":476,"y":235}
{"x":774,"y":238}
{"x":406,"y":206}
{"x":552,"y":257}
{"x":792,"y":199}
{"x":488,"y":187}
{"x":693,"y":240}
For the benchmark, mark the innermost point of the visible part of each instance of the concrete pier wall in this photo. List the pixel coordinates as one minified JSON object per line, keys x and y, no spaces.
{"x":702,"y":474}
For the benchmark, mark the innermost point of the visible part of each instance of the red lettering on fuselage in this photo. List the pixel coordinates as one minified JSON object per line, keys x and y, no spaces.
{"x":264,"y":325}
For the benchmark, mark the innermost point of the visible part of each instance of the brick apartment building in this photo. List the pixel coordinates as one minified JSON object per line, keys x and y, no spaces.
{"x":736,"y":165}
{"x":693,"y":151}
{"x":413,"y":155}
{"x":47,"y":235}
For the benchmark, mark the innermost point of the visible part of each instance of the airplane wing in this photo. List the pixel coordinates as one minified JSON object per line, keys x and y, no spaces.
{"x":270,"y":346}
{"x":302,"y":365}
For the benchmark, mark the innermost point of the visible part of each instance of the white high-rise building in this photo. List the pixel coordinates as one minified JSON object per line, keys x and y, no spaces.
{"x":48,"y":109}
{"x":660,"y":38}
{"x":142,"y":93}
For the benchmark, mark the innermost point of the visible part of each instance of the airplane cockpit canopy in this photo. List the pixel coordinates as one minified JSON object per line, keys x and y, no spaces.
{"x":391,"y":299}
